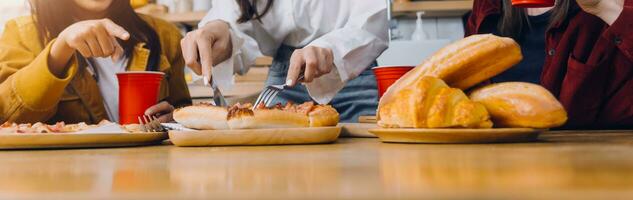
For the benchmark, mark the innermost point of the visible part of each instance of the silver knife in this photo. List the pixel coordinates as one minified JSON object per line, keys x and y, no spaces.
{"x":175,"y":126}
{"x":218,"y":98}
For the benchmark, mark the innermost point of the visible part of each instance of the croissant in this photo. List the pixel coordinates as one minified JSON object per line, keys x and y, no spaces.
{"x":427,"y":102}
{"x":470,"y":61}
{"x":516,"y":104}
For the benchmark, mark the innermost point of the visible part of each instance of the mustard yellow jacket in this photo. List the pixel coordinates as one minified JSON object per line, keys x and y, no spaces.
{"x":29,"y":92}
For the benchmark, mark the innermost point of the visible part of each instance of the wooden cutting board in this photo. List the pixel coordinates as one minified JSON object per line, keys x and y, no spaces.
{"x":249,"y":137}
{"x":77,"y":140}
{"x":367,"y":119}
{"x":456,"y":135}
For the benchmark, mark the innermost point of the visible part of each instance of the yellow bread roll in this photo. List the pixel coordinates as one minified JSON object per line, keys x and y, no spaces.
{"x":427,"y":102}
{"x":517,"y":104}
{"x":470,"y":61}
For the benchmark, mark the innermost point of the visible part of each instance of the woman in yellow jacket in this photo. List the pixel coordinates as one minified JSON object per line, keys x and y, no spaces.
{"x":60,"y":63}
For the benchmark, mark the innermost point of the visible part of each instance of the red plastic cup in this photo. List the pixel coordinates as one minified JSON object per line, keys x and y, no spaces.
{"x":137,"y":91}
{"x":533,"y":3}
{"x":387,"y":75}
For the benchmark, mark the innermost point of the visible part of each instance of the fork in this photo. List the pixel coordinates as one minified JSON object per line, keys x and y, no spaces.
{"x":150,"y":124}
{"x":270,"y":92}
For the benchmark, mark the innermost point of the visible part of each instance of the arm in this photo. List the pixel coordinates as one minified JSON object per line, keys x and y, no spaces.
{"x":618,"y":14}
{"x":32,"y":83}
{"x":619,"y":32}
{"x":30,"y":91}
{"x":583,"y":90}
{"x":354,"y":47}
{"x":221,"y":43}
{"x":244,"y":48}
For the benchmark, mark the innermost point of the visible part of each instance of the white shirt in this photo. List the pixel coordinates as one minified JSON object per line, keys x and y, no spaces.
{"x":105,"y":70}
{"x":355,"y":30}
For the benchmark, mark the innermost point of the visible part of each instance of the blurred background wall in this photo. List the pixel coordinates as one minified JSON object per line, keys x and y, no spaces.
{"x":10,"y":9}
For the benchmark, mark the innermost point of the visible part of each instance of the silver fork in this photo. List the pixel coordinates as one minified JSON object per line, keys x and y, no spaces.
{"x":150,"y":124}
{"x":270,"y":92}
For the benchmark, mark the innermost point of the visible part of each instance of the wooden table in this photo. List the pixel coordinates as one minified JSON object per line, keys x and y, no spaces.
{"x":566,"y":165}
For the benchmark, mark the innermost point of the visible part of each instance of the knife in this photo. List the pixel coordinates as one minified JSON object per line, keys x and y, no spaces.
{"x":176,"y":126}
{"x":218,"y":98}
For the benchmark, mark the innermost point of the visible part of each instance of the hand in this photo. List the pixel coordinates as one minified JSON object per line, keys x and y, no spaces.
{"x":91,"y":38}
{"x":206,"y":47}
{"x":607,"y":10}
{"x":313,"y":61}
{"x":163,"y":111}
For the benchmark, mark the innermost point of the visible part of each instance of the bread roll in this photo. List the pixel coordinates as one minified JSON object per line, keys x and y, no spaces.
{"x":202,"y":117}
{"x":267,"y":118}
{"x":427,"y":102}
{"x":469,"y":61}
{"x":208,"y":117}
{"x":516,"y":104}
{"x":323,"y":115}
{"x":290,"y":116}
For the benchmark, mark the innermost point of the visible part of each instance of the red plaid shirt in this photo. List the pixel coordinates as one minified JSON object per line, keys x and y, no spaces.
{"x":589,"y":64}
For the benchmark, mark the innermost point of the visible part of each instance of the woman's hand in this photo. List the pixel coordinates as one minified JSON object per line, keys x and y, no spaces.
{"x":206,"y":47}
{"x":607,"y":10}
{"x":163,"y":111}
{"x":313,"y":61}
{"x":91,"y":38}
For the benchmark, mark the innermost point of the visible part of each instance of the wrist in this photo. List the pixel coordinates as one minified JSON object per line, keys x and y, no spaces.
{"x":61,"y":46}
{"x":59,"y":56}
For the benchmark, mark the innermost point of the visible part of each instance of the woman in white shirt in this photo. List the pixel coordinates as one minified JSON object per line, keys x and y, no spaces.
{"x":333,"y":42}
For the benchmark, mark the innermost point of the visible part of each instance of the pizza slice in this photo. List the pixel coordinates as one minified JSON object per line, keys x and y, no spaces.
{"x":59,"y":127}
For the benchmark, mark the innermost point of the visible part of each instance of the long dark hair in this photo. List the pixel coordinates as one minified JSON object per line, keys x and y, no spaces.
{"x":513,"y":19}
{"x":52,"y":17}
{"x":249,"y":10}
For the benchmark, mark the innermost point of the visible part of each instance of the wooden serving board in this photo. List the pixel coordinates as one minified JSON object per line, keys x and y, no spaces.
{"x":246,"y":137}
{"x":456,"y":136}
{"x":77,"y":140}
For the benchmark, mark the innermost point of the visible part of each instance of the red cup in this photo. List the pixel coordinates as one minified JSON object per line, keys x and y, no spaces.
{"x":137,"y":91}
{"x":532,"y":3}
{"x":387,"y":75}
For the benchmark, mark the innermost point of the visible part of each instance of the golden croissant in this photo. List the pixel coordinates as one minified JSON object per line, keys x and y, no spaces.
{"x":427,"y":102}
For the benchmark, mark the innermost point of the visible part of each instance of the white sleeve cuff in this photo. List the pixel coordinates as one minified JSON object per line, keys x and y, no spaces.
{"x":240,"y":61}
{"x":324,"y":88}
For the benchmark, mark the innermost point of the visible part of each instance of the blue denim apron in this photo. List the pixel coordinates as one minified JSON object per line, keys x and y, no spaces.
{"x":358,"y":97}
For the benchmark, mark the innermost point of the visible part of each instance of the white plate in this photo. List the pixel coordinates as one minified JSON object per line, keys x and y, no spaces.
{"x":456,"y":135}
{"x":77,"y":140}
{"x":281,"y":136}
